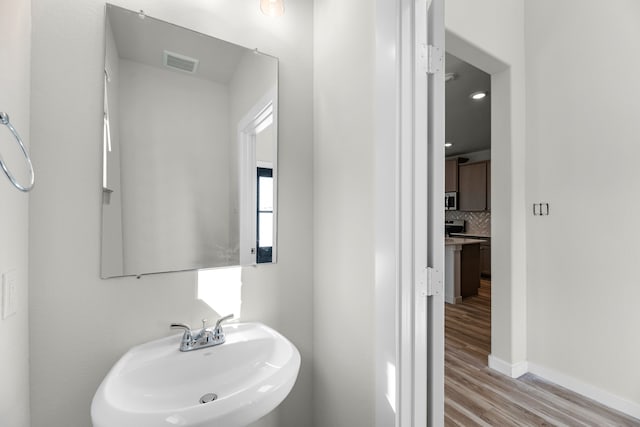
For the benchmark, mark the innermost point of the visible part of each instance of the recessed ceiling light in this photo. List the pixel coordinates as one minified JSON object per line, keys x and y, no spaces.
{"x":478,"y":95}
{"x":448,"y":144}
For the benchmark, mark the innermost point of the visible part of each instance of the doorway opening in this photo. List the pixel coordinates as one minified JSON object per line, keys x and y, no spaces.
{"x":504,"y":330}
{"x":467,"y":178}
{"x":467,"y":224}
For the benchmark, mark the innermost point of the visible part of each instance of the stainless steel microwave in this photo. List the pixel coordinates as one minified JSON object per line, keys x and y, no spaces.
{"x":451,"y":201}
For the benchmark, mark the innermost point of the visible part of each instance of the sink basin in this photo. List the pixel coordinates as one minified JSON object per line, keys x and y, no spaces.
{"x":155,"y":384}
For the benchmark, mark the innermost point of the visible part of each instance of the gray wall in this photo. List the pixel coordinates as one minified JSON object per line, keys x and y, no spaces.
{"x":582,"y":152}
{"x":343,"y":214}
{"x":174,"y":217}
{"x":69,"y":303}
{"x":15,"y":67}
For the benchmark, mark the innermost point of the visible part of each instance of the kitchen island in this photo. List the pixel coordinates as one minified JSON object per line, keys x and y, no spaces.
{"x":461,"y":268}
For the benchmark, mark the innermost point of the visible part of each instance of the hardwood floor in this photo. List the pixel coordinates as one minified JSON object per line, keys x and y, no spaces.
{"x":478,"y":396}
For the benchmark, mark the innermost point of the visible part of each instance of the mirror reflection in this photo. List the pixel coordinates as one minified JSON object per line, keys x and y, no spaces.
{"x":189,"y":150}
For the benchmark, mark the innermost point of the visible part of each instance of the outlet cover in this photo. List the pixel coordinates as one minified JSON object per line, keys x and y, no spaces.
{"x":9,"y":292}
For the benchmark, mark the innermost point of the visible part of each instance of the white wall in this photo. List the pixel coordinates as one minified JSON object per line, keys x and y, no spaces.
{"x":15,"y":68}
{"x":265,"y":142}
{"x":253,"y":78}
{"x":80,"y":324}
{"x":343,"y":213}
{"x":490,"y":36}
{"x":582,"y":151}
{"x":173,"y":119}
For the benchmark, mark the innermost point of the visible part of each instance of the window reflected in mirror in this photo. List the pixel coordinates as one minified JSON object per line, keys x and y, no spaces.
{"x":265,"y":215}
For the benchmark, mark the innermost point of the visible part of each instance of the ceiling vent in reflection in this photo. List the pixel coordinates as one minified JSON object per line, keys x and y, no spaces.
{"x":180,"y":62}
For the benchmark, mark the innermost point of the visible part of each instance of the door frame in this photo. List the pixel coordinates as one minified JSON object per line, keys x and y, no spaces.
{"x":409,"y":235}
{"x":394,"y":116}
{"x":508,"y":214}
{"x":263,"y":112}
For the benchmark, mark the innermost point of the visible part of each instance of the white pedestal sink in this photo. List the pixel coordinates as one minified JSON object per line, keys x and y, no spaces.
{"x":155,"y":384}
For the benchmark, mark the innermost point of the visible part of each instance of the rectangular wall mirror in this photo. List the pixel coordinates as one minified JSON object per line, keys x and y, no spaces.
{"x":189,"y":150}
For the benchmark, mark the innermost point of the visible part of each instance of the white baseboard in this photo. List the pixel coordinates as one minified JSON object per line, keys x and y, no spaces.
{"x":599,"y":395}
{"x":452,"y":300}
{"x":513,"y":370}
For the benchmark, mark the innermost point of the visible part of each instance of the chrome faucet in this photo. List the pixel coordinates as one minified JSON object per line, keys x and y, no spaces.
{"x":205,"y":337}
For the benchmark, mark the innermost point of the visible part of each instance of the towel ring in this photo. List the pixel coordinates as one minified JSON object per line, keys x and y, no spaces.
{"x":4,"y":119}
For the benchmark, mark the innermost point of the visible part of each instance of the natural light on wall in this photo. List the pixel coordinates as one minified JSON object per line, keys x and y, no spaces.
{"x":391,"y":386}
{"x":106,"y":137}
{"x":221,"y":289}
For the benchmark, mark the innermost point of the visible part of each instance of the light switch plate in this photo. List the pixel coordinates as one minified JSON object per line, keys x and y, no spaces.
{"x":9,"y":292}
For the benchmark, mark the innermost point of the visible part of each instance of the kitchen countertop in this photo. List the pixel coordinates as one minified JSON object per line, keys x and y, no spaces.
{"x":471,"y":235}
{"x":461,"y":241}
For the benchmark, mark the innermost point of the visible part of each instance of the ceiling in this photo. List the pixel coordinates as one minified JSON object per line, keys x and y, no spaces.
{"x":467,"y":122}
{"x":144,"y":39}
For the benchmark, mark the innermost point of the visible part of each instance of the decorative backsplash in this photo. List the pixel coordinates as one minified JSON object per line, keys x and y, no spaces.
{"x":476,"y":222}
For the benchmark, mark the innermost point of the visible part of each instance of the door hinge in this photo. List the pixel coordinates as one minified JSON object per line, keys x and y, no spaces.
{"x":431,"y":58}
{"x":430,"y":283}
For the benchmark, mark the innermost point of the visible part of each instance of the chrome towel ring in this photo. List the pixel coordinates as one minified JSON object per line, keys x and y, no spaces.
{"x":4,"y":119}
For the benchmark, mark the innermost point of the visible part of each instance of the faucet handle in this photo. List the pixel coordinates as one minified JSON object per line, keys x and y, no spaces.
{"x":184,"y":326}
{"x":222,"y":319}
{"x":204,"y":323}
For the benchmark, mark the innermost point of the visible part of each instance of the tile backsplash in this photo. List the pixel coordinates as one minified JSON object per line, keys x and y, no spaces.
{"x":476,"y":222}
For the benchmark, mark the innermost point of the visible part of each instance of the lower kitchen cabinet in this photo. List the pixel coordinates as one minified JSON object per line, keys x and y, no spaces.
{"x":469,"y":270}
{"x":461,"y":268}
{"x":485,"y":259}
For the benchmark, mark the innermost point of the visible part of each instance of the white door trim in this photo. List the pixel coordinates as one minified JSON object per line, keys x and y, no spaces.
{"x":435,"y":217}
{"x":263,"y":113}
{"x":407,"y":193}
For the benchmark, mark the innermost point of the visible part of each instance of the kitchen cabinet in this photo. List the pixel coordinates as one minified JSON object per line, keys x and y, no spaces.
{"x":485,"y":258}
{"x":461,"y":268}
{"x":473,"y":190}
{"x":450,"y":175}
{"x":470,"y":270}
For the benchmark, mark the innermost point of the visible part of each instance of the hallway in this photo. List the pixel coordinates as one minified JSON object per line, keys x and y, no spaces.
{"x":478,"y":396}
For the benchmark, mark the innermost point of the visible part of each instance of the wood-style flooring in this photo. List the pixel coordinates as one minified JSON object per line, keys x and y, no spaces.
{"x":478,"y":396}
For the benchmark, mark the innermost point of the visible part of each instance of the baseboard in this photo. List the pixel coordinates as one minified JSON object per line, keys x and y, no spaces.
{"x":513,"y":370}
{"x":599,"y":395}
{"x":455,"y":300}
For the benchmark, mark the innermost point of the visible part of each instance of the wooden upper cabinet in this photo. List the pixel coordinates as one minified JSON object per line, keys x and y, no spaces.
{"x":451,"y":175}
{"x":472,"y":186}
